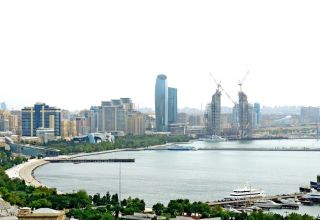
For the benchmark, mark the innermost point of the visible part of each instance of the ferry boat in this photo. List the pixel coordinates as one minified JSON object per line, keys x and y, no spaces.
{"x":213,"y":138}
{"x":246,"y":192}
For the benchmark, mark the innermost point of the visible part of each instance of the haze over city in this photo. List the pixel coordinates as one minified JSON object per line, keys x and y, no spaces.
{"x":73,"y":54}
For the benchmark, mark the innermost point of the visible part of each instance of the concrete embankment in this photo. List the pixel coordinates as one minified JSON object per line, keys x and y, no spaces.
{"x":25,"y":171}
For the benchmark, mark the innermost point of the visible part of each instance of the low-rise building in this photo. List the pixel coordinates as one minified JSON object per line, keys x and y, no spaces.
{"x":45,"y":135}
{"x":40,"y":214}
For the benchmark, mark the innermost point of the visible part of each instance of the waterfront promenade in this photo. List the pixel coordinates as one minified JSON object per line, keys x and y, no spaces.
{"x":25,"y":170}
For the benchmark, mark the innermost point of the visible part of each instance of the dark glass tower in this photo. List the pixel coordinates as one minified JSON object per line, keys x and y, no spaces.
{"x":172,"y":105}
{"x":161,"y":103}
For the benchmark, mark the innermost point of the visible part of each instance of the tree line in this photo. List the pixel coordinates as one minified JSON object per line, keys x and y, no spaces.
{"x":128,"y":141}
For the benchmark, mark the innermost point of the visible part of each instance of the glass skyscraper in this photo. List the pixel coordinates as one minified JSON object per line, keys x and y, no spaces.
{"x":172,"y":105}
{"x":40,"y":116}
{"x":161,"y":103}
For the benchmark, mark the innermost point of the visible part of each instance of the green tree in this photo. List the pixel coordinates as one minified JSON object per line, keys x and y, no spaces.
{"x":158,"y":208}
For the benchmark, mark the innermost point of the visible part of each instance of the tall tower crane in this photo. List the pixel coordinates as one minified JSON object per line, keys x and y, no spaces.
{"x":218,"y":84}
{"x":222,"y":89}
{"x":235,"y":124}
{"x":242,"y":81}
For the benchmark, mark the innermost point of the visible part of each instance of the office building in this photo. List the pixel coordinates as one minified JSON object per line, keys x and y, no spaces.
{"x":3,"y":106}
{"x":40,"y":116}
{"x":68,"y":129}
{"x":309,"y":115}
{"x":161,"y":103}
{"x":45,"y":135}
{"x":112,"y":115}
{"x":81,"y":126}
{"x":93,"y":120}
{"x":172,"y":105}
{"x":15,"y":122}
{"x":136,"y":123}
{"x":150,"y":122}
{"x":196,"y":120}
{"x":257,"y":113}
{"x":4,"y":124}
{"x":183,"y":118}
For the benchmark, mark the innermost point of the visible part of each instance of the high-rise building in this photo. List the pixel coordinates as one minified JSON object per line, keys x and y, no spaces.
{"x":4,"y":124}
{"x":183,"y":118}
{"x":309,"y":114}
{"x":112,"y":115}
{"x":16,"y":125}
{"x":172,"y":105}
{"x":136,"y":123}
{"x":196,"y":120}
{"x":161,"y":103}
{"x":257,"y":111}
{"x":93,"y":120}
{"x":244,"y":117}
{"x":251,"y":120}
{"x":3,"y":106}
{"x":208,"y":118}
{"x":68,"y":129}
{"x":40,"y":116}
{"x":81,"y":126}
{"x":215,"y":128}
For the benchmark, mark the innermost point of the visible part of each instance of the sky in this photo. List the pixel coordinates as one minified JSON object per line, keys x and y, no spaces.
{"x":74,"y":54}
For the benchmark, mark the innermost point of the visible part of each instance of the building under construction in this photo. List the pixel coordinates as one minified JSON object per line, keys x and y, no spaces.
{"x":243,"y":115}
{"x":214,"y":114}
{"x":246,"y":116}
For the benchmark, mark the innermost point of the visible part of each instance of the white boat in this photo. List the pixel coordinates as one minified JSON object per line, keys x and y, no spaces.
{"x":246,"y":192}
{"x":213,"y":138}
{"x":313,"y":196}
{"x":267,"y":204}
{"x":290,"y":201}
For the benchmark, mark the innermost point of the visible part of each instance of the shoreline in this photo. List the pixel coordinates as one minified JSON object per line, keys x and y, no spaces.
{"x":25,"y":171}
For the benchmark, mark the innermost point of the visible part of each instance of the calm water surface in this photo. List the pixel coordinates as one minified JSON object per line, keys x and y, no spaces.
{"x":158,"y":176}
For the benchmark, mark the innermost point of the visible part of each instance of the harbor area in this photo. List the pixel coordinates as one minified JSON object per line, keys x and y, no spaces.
{"x":249,"y":199}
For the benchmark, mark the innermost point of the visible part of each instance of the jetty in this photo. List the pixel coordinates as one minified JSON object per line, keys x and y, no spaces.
{"x":260,"y":149}
{"x":241,"y":202}
{"x":75,"y":160}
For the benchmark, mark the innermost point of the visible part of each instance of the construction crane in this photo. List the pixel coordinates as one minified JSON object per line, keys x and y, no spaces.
{"x":242,"y":81}
{"x":215,"y":81}
{"x":222,"y":89}
{"x":234,"y":125}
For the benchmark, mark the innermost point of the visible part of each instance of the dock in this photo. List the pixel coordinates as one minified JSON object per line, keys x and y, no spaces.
{"x":241,"y":202}
{"x":73,"y":160}
{"x":262,"y":149}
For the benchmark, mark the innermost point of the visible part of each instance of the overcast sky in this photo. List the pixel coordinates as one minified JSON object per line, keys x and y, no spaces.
{"x":73,"y":54}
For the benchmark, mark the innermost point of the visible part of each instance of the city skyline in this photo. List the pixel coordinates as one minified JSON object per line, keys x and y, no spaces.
{"x":110,"y":49}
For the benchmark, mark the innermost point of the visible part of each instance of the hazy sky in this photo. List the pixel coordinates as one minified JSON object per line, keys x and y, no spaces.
{"x":73,"y":54}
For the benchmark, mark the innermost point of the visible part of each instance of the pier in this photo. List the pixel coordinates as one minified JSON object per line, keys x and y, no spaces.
{"x":241,"y":202}
{"x":67,"y":160}
{"x":261,"y":149}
